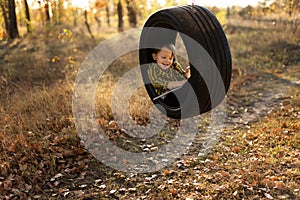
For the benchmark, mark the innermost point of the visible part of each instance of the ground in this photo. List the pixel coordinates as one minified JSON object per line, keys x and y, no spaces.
{"x":256,"y":155}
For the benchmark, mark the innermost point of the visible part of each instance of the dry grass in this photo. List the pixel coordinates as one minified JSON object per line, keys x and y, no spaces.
{"x":39,"y":142}
{"x":262,"y":46}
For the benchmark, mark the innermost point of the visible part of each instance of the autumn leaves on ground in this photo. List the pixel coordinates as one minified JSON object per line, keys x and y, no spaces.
{"x":256,"y":157}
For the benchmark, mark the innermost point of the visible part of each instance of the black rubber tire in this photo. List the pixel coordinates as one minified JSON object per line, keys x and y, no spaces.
{"x":202,"y":26}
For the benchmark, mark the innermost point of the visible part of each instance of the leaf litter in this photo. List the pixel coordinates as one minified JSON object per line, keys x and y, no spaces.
{"x":257,"y":156}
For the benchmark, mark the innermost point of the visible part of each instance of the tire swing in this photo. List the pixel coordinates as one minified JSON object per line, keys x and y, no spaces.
{"x":203,"y":37}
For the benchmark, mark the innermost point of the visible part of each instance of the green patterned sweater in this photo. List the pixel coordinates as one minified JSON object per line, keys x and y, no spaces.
{"x":159,"y":77}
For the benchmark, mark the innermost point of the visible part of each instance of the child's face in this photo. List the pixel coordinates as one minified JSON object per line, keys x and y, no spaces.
{"x":164,"y":58}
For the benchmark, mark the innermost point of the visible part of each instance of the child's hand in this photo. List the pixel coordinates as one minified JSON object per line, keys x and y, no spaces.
{"x":188,"y":72}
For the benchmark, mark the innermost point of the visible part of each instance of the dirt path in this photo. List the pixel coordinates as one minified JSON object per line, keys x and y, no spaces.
{"x":258,"y":94}
{"x":251,"y":98}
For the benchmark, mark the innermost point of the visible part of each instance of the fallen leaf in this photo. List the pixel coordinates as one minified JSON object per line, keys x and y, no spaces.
{"x":66,"y":194}
{"x":98,"y":181}
{"x":102,"y":186}
{"x":284,"y":125}
{"x":62,"y":190}
{"x":56,"y":177}
{"x":173,"y":191}
{"x":279,"y":185}
{"x":132,"y":190}
{"x":189,"y":198}
{"x":236,"y":149}
{"x":112,"y":192}
{"x":268,"y":196}
{"x":167,"y":172}
{"x":122,"y":190}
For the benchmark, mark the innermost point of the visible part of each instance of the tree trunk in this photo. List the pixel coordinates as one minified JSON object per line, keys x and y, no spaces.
{"x":98,"y":21}
{"x":87,"y":24}
{"x":293,"y":7}
{"x":75,"y":16}
{"x":27,"y":13}
{"x":47,"y":12}
{"x":120,"y":16}
{"x":107,"y":13}
{"x":131,"y":7}
{"x":5,"y":17}
{"x":290,"y":8}
{"x":13,"y":26}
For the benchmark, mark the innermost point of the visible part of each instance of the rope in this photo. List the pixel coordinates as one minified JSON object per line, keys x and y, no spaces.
{"x":193,"y":6}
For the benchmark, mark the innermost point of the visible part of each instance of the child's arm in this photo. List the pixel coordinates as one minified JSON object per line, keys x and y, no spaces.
{"x":175,"y":84}
{"x":179,"y":75}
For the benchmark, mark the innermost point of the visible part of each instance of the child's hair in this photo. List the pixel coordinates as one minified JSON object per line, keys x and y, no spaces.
{"x":169,"y":46}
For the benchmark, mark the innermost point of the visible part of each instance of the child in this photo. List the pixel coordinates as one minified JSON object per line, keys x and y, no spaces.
{"x":164,"y":73}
